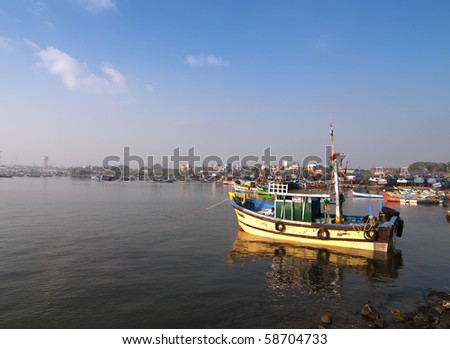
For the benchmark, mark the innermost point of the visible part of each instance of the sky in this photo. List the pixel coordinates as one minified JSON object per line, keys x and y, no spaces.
{"x":82,"y":79}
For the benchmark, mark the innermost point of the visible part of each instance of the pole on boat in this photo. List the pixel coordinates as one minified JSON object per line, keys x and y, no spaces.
{"x":335,"y":158}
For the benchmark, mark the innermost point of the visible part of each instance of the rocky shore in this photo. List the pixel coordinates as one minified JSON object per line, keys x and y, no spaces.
{"x":434,"y":313}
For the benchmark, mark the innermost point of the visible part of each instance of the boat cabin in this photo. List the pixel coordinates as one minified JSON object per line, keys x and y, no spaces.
{"x":301,"y":206}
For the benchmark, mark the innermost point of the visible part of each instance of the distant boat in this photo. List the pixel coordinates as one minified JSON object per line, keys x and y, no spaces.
{"x":162,"y":180}
{"x":245,"y":187}
{"x":402,"y":180}
{"x":412,"y":197}
{"x":419,"y":180}
{"x":34,"y":174}
{"x":379,"y":177}
{"x":382,"y":181}
{"x":263,"y":190}
{"x":367,"y":195}
{"x":102,"y":178}
{"x":5,"y":175}
{"x":168,"y":180}
{"x":228,"y":181}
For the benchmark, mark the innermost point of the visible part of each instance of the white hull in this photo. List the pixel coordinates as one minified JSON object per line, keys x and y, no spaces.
{"x":351,"y":236}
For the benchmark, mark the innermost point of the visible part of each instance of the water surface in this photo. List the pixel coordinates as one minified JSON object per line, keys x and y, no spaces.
{"x":84,"y":254}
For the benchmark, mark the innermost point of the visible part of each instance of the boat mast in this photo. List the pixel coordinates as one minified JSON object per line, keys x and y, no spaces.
{"x":335,"y":158}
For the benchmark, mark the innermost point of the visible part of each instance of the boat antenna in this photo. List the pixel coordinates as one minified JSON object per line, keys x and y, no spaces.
{"x":335,"y":158}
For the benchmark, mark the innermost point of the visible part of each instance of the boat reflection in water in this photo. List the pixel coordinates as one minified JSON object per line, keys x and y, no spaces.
{"x":310,"y":269}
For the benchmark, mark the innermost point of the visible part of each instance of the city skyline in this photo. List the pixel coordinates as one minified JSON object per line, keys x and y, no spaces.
{"x":82,"y":79}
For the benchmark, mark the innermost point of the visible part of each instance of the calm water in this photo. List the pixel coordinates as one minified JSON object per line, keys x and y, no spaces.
{"x":82,"y":254}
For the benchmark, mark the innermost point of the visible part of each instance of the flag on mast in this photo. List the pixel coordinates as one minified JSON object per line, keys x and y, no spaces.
{"x":333,"y":154}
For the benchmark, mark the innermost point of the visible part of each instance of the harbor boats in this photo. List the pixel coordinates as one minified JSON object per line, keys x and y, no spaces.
{"x":34,"y":174}
{"x":263,"y":189}
{"x":418,"y":180}
{"x":102,"y":178}
{"x":382,"y":181}
{"x":432,"y":180}
{"x":228,"y":180}
{"x":245,"y":187}
{"x":379,"y":177}
{"x":366,"y":195}
{"x":413,"y":197}
{"x":162,"y":180}
{"x":402,"y":181}
{"x":404,"y":176}
{"x":306,"y":218}
{"x":168,"y":180}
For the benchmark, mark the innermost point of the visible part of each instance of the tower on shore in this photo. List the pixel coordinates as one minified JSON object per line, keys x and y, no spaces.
{"x":45,"y":165}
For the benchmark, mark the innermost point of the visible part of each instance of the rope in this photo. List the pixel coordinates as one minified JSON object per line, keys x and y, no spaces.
{"x":217,"y":204}
{"x":371,"y":223}
{"x":198,"y":211}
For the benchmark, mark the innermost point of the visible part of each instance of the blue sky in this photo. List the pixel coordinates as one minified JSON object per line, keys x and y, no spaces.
{"x":80,"y":79}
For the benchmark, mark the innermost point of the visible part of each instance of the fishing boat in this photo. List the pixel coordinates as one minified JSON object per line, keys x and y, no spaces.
{"x":418,"y":180}
{"x":168,"y":180}
{"x":245,"y":187}
{"x":379,"y":177}
{"x":404,"y":176}
{"x":412,"y":197}
{"x":432,"y":180}
{"x":366,"y":195}
{"x":162,"y":180}
{"x":402,"y":180}
{"x":306,"y":218}
{"x":263,"y":189}
{"x":34,"y":174}
{"x":102,"y":178}
{"x":228,"y":180}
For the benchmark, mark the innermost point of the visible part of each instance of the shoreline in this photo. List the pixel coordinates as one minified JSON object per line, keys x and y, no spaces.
{"x":432,"y":313}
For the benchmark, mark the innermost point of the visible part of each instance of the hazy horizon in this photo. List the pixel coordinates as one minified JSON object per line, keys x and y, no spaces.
{"x":81,"y":79}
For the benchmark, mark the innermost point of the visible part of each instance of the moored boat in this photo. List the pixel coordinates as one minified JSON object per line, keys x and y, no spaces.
{"x":228,"y":180}
{"x":102,"y":178}
{"x":418,"y":180}
{"x":263,"y":189}
{"x":306,"y":218}
{"x":412,"y":197}
{"x":245,"y":187}
{"x":367,"y":195}
{"x":402,"y":180}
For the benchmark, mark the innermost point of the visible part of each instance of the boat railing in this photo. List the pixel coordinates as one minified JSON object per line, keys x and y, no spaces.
{"x":278,"y":188}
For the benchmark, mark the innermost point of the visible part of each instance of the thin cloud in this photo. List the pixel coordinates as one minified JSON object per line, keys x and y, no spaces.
{"x":39,"y":8}
{"x":31,"y":44}
{"x":6,"y":44}
{"x":76,"y":75}
{"x":149,"y":88}
{"x":206,"y":60}
{"x":98,"y":5}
